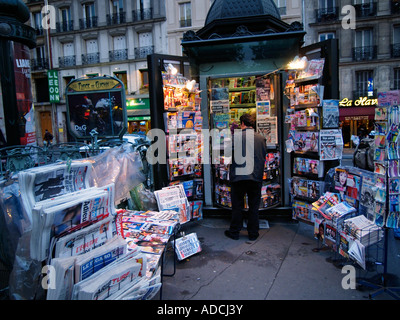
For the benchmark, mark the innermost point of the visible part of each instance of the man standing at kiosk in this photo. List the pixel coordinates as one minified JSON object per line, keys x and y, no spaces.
{"x":246,"y":175}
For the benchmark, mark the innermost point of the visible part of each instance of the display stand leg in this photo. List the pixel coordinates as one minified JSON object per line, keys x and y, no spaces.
{"x":394,"y":292}
{"x":163,"y":262}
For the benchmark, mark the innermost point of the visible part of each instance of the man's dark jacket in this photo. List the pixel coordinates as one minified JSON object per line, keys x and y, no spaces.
{"x":255,"y":161}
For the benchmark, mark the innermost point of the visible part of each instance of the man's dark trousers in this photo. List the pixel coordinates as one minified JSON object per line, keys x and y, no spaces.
{"x":238,"y":191}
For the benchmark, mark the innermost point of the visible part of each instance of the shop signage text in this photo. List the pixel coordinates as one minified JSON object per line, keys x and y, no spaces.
{"x":94,"y":85}
{"x":360,"y":102}
{"x":54,"y":93}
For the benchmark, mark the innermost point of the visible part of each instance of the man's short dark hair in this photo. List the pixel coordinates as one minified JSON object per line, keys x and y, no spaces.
{"x":247,"y":119}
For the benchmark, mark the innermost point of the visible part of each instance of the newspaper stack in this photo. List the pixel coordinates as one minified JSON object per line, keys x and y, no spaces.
{"x":52,"y":217}
{"x":72,"y":273}
{"x":364,"y":230}
{"x":174,"y":198}
{"x":339,"y":211}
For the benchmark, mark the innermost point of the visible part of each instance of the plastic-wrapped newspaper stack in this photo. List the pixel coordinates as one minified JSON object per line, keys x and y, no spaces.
{"x":70,"y":226}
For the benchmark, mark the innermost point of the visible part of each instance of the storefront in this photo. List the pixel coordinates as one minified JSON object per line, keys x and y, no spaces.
{"x":356,"y":118}
{"x":138,"y":112}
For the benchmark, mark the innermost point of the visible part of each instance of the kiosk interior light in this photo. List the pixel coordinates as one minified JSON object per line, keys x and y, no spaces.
{"x":190,"y":85}
{"x":298,"y":63}
{"x":171,"y":69}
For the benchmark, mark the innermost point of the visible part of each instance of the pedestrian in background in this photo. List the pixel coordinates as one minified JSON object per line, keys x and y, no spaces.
{"x":48,"y":137}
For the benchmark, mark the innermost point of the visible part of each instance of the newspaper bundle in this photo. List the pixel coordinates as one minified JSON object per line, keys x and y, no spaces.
{"x":71,"y":270}
{"x":364,"y":230}
{"x":52,"y":217}
{"x":112,"y":280}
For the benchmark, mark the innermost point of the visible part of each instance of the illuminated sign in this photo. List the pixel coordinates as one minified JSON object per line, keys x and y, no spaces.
{"x":94,"y":85}
{"x":54,"y":93}
{"x":98,"y":104}
{"x":360,"y":102}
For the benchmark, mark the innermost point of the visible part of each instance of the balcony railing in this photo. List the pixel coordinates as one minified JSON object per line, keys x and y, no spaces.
{"x":65,"y":26}
{"x":88,"y":23}
{"x":395,"y":50}
{"x":39,"y":64}
{"x":366,"y":10}
{"x":67,"y":61}
{"x":91,"y":58}
{"x":327,"y":14}
{"x":364,"y":53}
{"x":116,"y":18}
{"x":142,"y":14}
{"x":143,"y":52}
{"x":117,"y":55}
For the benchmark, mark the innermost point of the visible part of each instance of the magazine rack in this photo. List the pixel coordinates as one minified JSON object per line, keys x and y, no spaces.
{"x":386,"y":168}
{"x":314,"y":140}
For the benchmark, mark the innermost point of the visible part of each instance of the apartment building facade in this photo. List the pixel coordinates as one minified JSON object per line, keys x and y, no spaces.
{"x":93,"y":38}
{"x":368,"y":32}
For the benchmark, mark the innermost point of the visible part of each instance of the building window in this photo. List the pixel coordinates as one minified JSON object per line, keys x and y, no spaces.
{"x":364,"y":48}
{"x":37,"y":22}
{"x":281,"y":5}
{"x":326,"y":36}
{"x":121,"y":75}
{"x":185,"y":14}
{"x":327,"y":11}
{"x":68,"y":60}
{"x":396,"y":42}
{"x":145,"y":45}
{"x":396,"y":79}
{"x":365,"y":8}
{"x":66,"y":23}
{"x":89,"y":16}
{"x":39,"y":62}
{"x":144,"y":78}
{"x":92,"y":52}
{"x":117,"y":13}
{"x":120,"y":51}
{"x":363,"y":84}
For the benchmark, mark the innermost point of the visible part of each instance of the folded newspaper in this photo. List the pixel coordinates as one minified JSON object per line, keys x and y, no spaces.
{"x":174,"y":198}
{"x":45,"y":182}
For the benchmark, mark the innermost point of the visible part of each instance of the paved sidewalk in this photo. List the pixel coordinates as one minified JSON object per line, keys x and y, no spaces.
{"x":279,"y":265}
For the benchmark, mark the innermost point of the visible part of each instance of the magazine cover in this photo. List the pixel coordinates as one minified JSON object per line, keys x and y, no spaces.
{"x":367,"y":196}
{"x":330,"y":114}
{"x":341,"y":179}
